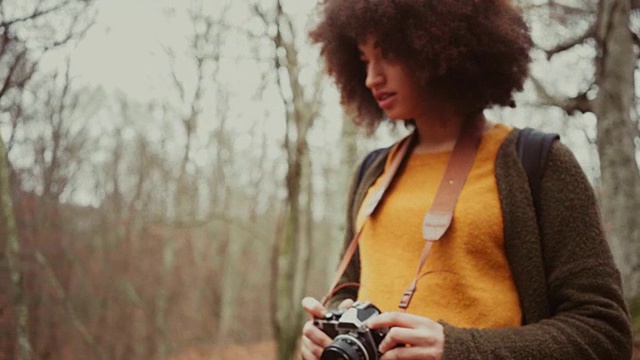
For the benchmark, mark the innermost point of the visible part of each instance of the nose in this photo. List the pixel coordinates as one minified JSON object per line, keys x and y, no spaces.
{"x":375,"y":75}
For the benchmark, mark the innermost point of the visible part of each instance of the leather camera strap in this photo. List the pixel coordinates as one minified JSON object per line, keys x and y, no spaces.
{"x":438,"y":219}
{"x":370,"y":206}
{"x":440,"y":215}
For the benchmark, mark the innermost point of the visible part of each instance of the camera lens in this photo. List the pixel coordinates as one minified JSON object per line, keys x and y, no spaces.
{"x":345,"y":347}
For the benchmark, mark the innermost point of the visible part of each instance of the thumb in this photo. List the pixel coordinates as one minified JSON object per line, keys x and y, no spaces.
{"x":346,"y":303}
{"x":313,"y":307}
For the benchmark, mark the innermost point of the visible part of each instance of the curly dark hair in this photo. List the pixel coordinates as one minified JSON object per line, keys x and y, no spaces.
{"x":474,"y":52}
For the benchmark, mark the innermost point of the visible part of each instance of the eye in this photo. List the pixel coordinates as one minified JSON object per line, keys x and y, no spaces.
{"x":387,"y":55}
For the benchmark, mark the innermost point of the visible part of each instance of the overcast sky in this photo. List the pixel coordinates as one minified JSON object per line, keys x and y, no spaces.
{"x":125,"y":51}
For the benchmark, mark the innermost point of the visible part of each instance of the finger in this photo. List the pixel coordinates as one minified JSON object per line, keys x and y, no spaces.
{"x":390,"y":319}
{"x":309,"y":350}
{"x":412,"y":353}
{"x":305,"y":353}
{"x":346,"y":303}
{"x":313,"y":307}
{"x":414,"y":337}
{"x":315,"y":335}
{"x":399,"y":336}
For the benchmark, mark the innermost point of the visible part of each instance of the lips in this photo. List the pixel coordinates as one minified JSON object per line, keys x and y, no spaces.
{"x":385,"y":99}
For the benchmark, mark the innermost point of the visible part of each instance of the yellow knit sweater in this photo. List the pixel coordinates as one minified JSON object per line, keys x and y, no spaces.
{"x":466,"y":280}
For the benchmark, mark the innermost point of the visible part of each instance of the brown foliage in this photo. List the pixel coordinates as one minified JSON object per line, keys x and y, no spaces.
{"x":98,"y":281}
{"x":263,"y":350}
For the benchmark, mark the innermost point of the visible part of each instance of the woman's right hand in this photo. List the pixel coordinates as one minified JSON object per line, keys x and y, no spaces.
{"x":313,"y":339}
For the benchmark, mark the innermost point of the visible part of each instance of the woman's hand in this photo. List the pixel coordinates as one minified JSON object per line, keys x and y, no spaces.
{"x":313,"y":339}
{"x":424,"y":337}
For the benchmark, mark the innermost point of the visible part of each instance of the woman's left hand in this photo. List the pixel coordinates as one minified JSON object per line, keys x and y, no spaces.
{"x":424,"y":337}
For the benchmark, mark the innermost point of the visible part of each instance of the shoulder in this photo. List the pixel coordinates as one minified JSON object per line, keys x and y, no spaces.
{"x":375,"y":161}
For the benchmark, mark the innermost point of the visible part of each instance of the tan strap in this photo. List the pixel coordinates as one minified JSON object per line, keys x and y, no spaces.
{"x":390,"y":173}
{"x":348,"y":254}
{"x":372,"y":204}
{"x":440,"y":215}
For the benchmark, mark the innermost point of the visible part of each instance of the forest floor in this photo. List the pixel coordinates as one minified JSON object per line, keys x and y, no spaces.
{"x":264,"y":350}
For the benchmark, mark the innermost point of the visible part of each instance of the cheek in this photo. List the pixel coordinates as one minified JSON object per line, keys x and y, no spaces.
{"x":412,"y":92}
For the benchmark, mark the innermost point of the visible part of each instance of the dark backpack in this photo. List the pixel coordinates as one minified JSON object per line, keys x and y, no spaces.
{"x":532,"y":146}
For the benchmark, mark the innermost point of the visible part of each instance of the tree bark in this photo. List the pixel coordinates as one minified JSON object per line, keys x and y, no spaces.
{"x":349,"y":156}
{"x":12,"y":253}
{"x":291,"y":274}
{"x":620,"y":193}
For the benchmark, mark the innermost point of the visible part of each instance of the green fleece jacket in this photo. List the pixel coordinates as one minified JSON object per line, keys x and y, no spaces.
{"x":569,"y":287}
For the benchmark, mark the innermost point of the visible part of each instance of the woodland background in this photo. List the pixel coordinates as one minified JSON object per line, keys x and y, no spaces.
{"x":173,"y":173}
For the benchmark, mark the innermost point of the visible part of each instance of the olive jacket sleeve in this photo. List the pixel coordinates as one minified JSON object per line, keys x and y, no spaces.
{"x":586,"y":315}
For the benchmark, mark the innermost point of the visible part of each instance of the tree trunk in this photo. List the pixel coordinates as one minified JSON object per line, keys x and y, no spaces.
{"x":289,"y":270}
{"x":620,"y":193}
{"x":288,"y":314}
{"x":12,"y":252}
{"x":349,"y":157}
{"x":163,"y":345}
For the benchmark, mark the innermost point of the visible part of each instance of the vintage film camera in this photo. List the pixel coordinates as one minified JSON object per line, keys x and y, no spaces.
{"x":351,"y":340}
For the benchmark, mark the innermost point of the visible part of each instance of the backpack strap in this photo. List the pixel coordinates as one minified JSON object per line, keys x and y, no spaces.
{"x":368,"y":160}
{"x":533,"y":147}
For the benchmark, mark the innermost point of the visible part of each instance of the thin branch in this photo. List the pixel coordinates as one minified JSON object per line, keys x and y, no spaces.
{"x":588,"y":138}
{"x":36,"y":14}
{"x":12,"y":70}
{"x":316,"y":99}
{"x":565,"y":9}
{"x":9,"y":81}
{"x":590,"y":33}
{"x":71,"y":34}
{"x":580,"y":103}
{"x":261,"y":14}
{"x":174,"y":77}
{"x":635,"y":38}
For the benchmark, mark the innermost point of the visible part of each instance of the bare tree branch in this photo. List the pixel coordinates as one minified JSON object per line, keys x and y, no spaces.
{"x":9,"y":80}
{"x":560,"y":8}
{"x":174,"y":77}
{"x":590,"y":33}
{"x":636,"y":38}
{"x":36,"y":14}
{"x":316,"y":99}
{"x":261,"y":14}
{"x":71,"y":33}
{"x":580,"y":103}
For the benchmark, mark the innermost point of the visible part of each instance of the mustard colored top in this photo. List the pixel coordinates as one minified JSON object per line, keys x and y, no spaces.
{"x":466,"y":280}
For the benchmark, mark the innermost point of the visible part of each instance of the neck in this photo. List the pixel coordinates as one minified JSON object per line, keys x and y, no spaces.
{"x":438,"y":130}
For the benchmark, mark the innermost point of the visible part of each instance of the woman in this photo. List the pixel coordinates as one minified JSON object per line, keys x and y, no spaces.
{"x":499,"y":283}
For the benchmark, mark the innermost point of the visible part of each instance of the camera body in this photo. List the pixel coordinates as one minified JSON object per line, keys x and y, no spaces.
{"x":351,"y":340}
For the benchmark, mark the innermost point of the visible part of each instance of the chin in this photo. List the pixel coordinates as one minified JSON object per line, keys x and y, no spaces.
{"x":397,"y":116}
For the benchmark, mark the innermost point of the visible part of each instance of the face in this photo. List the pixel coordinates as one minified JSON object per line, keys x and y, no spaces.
{"x":394,"y":88}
